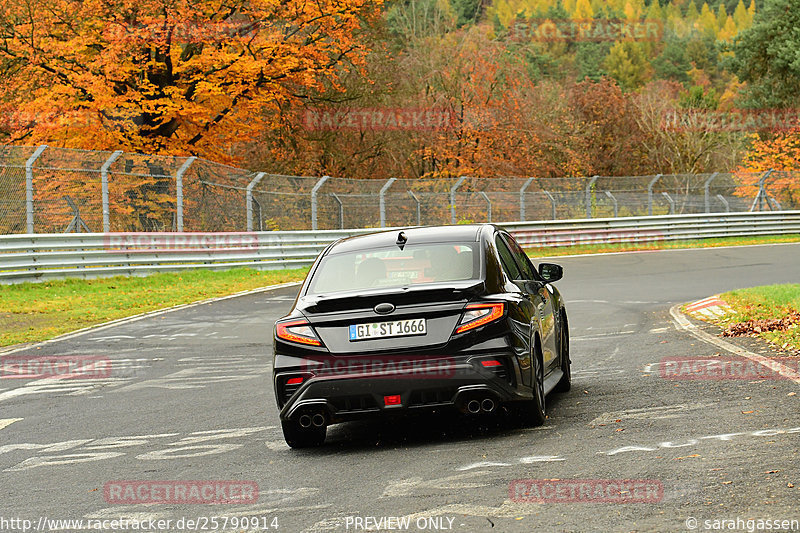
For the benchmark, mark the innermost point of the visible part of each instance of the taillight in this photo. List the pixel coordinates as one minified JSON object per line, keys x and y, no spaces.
{"x":477,"y":315}
{"x":297,"y":331}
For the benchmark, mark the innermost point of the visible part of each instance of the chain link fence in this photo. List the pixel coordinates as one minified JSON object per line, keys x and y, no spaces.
{"x":56,"y":190}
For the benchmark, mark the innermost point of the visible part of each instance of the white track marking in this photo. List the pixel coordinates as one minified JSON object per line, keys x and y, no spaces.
{"x":682,"y":323}
{"x":5,"y":422}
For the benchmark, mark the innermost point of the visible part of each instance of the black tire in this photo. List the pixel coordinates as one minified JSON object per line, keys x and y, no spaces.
{"x":532,"y":412}
{"x":565,"y":383}
{"x":300,"y":437}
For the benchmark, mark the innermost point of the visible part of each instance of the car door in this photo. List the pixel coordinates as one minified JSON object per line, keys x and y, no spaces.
{"x":542,"y":297}
{"x":524,"y":315}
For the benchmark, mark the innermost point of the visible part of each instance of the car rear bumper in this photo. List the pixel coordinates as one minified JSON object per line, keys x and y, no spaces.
{"x":342,"y":396}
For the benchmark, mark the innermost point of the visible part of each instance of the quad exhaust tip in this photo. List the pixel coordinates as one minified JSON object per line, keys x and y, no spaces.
{"x":318,"y":420}
{"x":487,"y":405}
{"x":305,"y":421}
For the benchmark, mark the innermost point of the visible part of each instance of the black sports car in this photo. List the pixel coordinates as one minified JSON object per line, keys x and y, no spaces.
{"x":423,"y":318}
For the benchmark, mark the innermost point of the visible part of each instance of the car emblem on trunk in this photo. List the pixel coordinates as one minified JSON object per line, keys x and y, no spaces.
{"x":384,"y":308}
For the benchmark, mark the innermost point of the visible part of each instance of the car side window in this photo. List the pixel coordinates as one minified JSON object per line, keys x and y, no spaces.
{"x":527,"y":269}
{"x":507,"y":259}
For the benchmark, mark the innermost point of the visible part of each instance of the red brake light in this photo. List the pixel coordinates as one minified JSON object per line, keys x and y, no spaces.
{"x":477,"y":315}
{"x":297,"y":331}
{"x":391,"y":400}
{"x":294,"y":381}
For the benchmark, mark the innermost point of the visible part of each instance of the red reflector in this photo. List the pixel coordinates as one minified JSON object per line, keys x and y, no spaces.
{"x":391,"y":400}
{"x":294,"y":381}
{"x":491,"y":362}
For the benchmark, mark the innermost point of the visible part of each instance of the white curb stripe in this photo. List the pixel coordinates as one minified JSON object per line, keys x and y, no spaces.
{"x":682,"y":323}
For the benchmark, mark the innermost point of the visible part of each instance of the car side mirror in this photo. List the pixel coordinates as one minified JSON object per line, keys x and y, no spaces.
{"x":550,"y":272}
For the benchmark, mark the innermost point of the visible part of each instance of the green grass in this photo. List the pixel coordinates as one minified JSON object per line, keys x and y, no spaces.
{"x":580,"y":249}
{"x":32,"y":312}
{"x":766,"y":302}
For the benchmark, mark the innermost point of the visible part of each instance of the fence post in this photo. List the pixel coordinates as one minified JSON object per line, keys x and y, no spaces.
{"x":419,"y":207}
{"x":552,"y":202}
{"x":29,"y":186}
{"x":613,"y":199}
{"x":589,"y":196}
{"x":671,"y":202}
{"x":453,"y":198}
{"x":316,"y":188}
{"x":341,"y":210}
{"x":522,"y":199}
{"x":488,"y":206}
{"x":706,"y":191}
{"x":724,"y":202}
{"x":249,"y":198}
{"x":382,"y":200}
{"x":650,"y":194}
{"x":762,"y":192}
{"x":104,"y":185}
{"x":179,"y":190}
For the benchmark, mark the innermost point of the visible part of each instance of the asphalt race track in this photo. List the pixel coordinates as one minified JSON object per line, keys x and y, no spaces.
{"x":189,"y":398}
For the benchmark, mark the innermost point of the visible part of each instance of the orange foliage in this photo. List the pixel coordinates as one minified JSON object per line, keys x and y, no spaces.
{"x":781,"y":153}
{"x":156,"y":76}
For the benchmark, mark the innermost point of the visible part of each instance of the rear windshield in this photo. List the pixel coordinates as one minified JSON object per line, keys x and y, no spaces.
{"x":393,"y":267}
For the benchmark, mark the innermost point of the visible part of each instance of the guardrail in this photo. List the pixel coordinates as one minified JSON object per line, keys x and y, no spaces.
{"x":38,"y":257}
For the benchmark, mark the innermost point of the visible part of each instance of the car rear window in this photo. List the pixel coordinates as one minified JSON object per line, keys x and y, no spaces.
{"x":393,"y":267}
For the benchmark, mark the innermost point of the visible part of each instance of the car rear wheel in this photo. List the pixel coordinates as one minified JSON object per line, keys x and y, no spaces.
{"x":532,"y":411}
{"x":297,"y":436}
{"x":565,"y":383}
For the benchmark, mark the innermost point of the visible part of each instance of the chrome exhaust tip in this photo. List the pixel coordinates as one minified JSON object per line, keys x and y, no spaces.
{"x":474,"y":406}
{"x":488,"y":405}
{"x":305,"y":421}
{"x":318,"y":420}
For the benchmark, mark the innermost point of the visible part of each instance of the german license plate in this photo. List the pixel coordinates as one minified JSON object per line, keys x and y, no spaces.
{"x":396,"y":328}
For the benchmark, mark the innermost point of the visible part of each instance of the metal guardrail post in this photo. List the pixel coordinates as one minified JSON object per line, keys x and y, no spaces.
{"x":488,"y":206}
{"x":29,"y":186}
{"x":453,"y":198}
{"x":522,"y":199}
{"x":589,"y":196}
{"x":419,"y":207}
{"x":706,"y":188}
{"x":650,"y":194}
{"x":314,"y":191}
{"x":671,"y":202}
{"x":249,"y":198}
{"x":382,"y":200}
{"x":179,"y":190}
{"x":104,"y":186}
{"x":341,"y":209}
{"x":552,"y":202}
{"x":613,"y":199}
{"x":724,"y":202}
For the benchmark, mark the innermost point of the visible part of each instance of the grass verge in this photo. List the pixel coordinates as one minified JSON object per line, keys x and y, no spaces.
{"x":758,"y":307}
{"x":580,"y":249}
{"x":31,"y":312}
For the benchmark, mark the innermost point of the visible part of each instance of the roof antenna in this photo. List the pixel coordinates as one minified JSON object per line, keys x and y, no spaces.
{"x":401,"y":240}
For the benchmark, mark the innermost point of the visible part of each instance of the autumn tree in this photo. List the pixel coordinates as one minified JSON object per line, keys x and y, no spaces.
{"x":170,"y":77}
